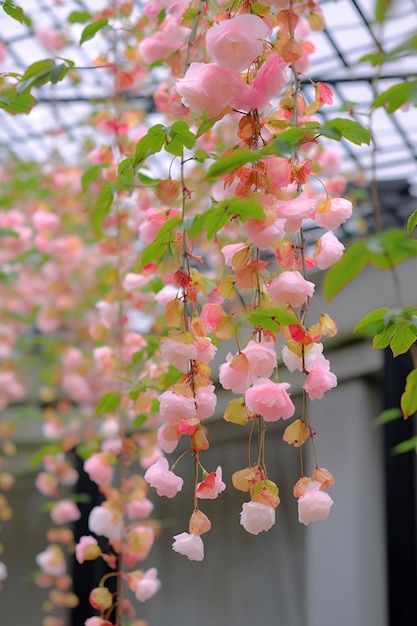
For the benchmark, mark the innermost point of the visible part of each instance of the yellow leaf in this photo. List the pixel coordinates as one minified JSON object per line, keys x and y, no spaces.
{"x":296,"y":433}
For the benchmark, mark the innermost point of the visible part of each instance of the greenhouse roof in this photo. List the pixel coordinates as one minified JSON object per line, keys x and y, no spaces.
{"x":55,"y":125}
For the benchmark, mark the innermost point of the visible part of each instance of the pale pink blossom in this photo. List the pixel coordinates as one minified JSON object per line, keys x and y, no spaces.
{"x":314,"y":505}
{"x":297,"y":208}
{"x":134,"y":281}
{"x":269,"y":399}
{"x":3,"y":571}
{"x":44,"y":220}
{"x":294,"y":362}
{"x":262,"y":358}
{"x":230,"y":250}
{"x":165,"y":482}
{"x":328,"y":251}
{"x":205,"y":400}
{"x":174,"y":406}
{"x":264,"y":234}
{"x":145,"y":586}
{"x":205,"y":349}
{"x":139,"y":509}
{"x":279,"y":170}
{"x":320,"y":379}
{"x":86,"y":548}
{"x":137,"y":544}
{"x":234,"y":44}
{"x":168,"y":436}
{"x":210,"y":88}
{"x":99,"y":467}
{"x":65,"y":511}
{"x":170,"y":36}
{"x":102,"y":521}
{"x":333,"y":213}
{"x":234,"y":374}
{"x":271,"y":78}
{"x":50,"y":38}
{"x":52,"y":560}
{"x":178,"y":353}
{"x":291,"y":288}
{"x":190,"y":545}
{"x":211,"y":486}
{"x":329,"y":160}
{"x":3,"y":52}
{"x":256,"y":517}
{"x":167,"y":293}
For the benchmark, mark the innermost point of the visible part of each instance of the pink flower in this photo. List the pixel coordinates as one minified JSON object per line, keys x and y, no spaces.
{"x":332,"y":213}
{"x":324,"y":93}
{"x":293,"y":361}
{"x":230,"y":250}
{"x":168,"y":437}
{"x":190,"y":545}
{"x":291,"y":288}
{"x":3,"y":571}
{"x":256,"y":517}
{"x":178,"y":353}
{"x":271,"y":78}
{"x":146,"y":586}
{"x":139,"y":509}
{"x":314,"y":505}
{"x":206,"y":400}
{"x":211,"y":486}
{"x":262,"y":358}
{"x":234,"y":374}
{"x":50,"y":38}
{"x":209,"y":88}
{"x":205,"y":349}
{"x":52,"y":561}
{"x":170,"y":37}
{"x":99,"y":468}
{"x":320,"y":379}
{"x":65,"y":511}
{"x":87,"y":549}
{"x":137,"y":544}
{"x":165,"y":482}
{"x":329,"y":250}
{"x":297,"y":208}
{"x":102,"y":521}
{"x":234,"y":44}
{"x":264,"y":234}
{"x":174,"y":407}
{"x":269,"y":399}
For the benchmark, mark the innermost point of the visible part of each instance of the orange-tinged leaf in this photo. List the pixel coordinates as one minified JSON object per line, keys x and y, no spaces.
{"x":226,"y":329}
{"x":173,"y":313}
{"x":199,"y":523}
{"x":247,"y":276}
{"x":324,"y":477}
{"x":167,"y":191}
{"x":245,"y":479}
{"x":300,"y":486}
{"x":226,"y":287}
{"x":236,"y":412}
{"x":240,"y":362}
{"x":291,"y":51}
{"x":287,"y":20}
{"x":199,"y":441}
{"x":296,"y":433}
{"x":327,"y":325}
{"x":241,"y":257}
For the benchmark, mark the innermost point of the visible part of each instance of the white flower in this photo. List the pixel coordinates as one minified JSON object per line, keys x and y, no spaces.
{"x":189,"y":545}
{"x":256,"y":517}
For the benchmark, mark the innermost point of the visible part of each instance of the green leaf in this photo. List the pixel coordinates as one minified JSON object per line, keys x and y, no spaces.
{"x":412,"y":222}
{"x":381,"y":8}
{"x":405,"y":336}
{"x":348,"y":129}
{"x":204,"y":127}
{"x":232,"y":161}
{"x":178,"y":137}
{"x":386,"y":416}
{"x":288,"y":141}
{"x":36,"y":74}
{"x":372,"y":323}
{"x":90,"y":176}
{"x":390,"y":248}
{"x":220,"y":214}
{"x":8,"y":232}
{"x":272,"y":319}
{"x":16,"y":103}
{"x":158,"y":249}
{"x":344,"y":271}
{"x":406,"y":446}
{"x":397,"y":95}
{"x":92,"y":29}
{"x":79,"y":17}
{"x":139,"y":420}
{"x":48,"y":449}
{"x":383,"y":338}
{"x":409,"y":397}
{"x":101,"y":207}
{"x":108,"y":402}
{"x":14,"y":11}
{"x":149,"y":144}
